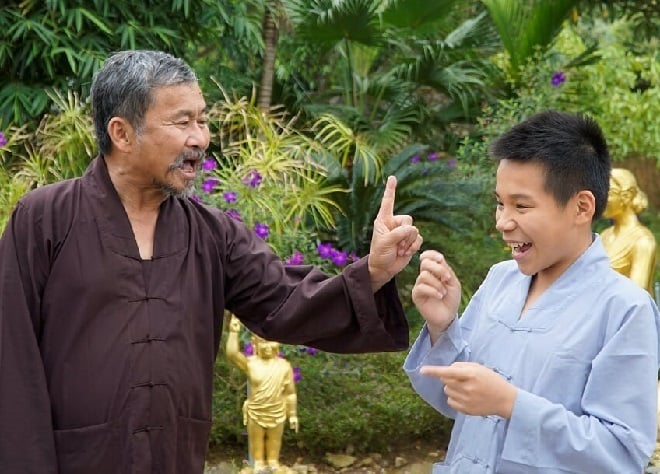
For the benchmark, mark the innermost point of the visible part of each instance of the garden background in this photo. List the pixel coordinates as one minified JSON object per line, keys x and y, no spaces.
{"x":312,"y":103}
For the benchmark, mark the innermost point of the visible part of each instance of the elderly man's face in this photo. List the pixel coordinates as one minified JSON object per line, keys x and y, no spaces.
{"x":173,"y":140}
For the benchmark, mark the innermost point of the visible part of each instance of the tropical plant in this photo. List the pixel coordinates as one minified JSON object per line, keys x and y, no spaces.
{"x":428,"y":188}
{"x":62,"y":145}
{"x":382,"y":66}
{"x":594,"y":68}
{"x":621,"y":89}
{"x":647,"y":24}
{"x":269,"y":175}
{"x":59,"y":44}
{"x":525,"y":27}
{"x":11,"y":190}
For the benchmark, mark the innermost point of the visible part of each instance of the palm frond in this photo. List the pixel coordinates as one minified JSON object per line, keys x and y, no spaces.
{"x":526,"y":26}
{"x":414,"y":14}
{"x":330,"y":22}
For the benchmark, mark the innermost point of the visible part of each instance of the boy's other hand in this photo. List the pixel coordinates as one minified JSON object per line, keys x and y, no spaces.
{"x":474,"y":389}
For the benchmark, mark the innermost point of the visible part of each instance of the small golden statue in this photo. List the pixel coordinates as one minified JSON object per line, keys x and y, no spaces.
{"x":630,"y":246}
{"x":271,"y":398}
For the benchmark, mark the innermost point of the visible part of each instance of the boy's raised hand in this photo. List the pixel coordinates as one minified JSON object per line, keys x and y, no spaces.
{"x":393,"y":242}
{"x":437,"y":292}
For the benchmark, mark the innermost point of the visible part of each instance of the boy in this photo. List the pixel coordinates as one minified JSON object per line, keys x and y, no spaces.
{"x":553,"y":365}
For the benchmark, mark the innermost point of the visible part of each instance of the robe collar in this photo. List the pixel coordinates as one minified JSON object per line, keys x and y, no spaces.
{"x":171,"y":236}
{"x":584,"y":275}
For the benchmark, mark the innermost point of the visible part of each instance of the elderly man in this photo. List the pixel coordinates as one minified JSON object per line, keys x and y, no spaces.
{"x":113,"y":286}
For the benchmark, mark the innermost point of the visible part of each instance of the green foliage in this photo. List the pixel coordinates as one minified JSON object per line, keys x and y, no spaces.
{"x":622,"y":89}
{"x":60,"y":147}
{"x":380,"y":67}
{"x":59,"y":44}
{"x":11,"y":189}
{"x":647,"y":25}
{"x":292,"y":195}
{"x":609,"y":80}
{"x":524,"y":27}
{"x":364,"y":400}
{"x":232,"y":50}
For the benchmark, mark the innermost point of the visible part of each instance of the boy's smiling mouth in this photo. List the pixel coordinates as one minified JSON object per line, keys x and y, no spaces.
{"x":518,"y":249}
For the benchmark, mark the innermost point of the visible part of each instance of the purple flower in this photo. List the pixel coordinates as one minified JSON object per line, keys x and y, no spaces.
{"x":230,"y":196}
{"x":196,"y":198}
{"x":415,"y":159}
{"x":252,"y":179}
{"x":296,"y":374}
{"x":296,"y":259}
{"x":339,"y":258}
{"x":209,"y":164}
{"x":353,"y":257}
{"x":3,"y":140}
{"x":325,"y":250}
{"x":433,"y":156}
{"x":248,"y":349}
{"x":312,"y":351}
{"x":558,"y":79}
{"x":209,"y":184}
{"x":451,"y":164}
{"x":234,"y":214}
{"x":261,"y":230}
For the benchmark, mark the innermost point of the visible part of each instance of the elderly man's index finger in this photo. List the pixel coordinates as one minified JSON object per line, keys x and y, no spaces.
{"x":387,"y":204}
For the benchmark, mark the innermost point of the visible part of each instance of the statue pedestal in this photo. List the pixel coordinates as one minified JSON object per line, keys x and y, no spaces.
{"x":267,"y":470}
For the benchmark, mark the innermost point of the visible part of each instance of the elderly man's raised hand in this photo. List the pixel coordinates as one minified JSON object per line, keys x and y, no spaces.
{"x":394,"y":240}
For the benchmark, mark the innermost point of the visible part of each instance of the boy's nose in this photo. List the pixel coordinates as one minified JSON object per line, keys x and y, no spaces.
{"x":504,"y":223}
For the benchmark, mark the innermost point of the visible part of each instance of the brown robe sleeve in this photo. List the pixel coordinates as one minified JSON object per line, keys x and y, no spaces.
{"x":302,"y":305}
{"x":26,"y":433}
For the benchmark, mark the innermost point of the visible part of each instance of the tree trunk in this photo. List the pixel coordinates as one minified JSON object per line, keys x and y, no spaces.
{"x":269,"y":34}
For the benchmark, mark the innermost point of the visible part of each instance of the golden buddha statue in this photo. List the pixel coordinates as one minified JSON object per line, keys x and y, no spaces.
{"x":629,"y":245}
{"x":271,"y":398}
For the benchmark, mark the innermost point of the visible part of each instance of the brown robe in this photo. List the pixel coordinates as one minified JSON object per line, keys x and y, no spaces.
{"x":106,"y":360}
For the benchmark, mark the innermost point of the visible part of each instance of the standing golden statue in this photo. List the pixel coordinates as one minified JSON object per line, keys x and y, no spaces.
{"x":271,"y":398}
{"x":630,"y":246}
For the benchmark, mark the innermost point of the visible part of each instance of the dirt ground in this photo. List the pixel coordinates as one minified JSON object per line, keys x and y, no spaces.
{"x":415,"y":457}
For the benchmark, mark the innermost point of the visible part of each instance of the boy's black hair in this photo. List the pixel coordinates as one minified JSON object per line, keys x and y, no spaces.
{"x":571,"y":148}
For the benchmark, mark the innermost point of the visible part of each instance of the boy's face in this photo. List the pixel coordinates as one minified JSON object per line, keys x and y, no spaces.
{"x":545,"y":238}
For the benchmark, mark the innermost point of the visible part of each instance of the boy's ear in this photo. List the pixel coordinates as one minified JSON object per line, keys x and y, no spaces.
{"x":585,"y":207}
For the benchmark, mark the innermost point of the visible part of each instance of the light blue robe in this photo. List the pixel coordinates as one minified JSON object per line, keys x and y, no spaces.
{"x":584,"y":358}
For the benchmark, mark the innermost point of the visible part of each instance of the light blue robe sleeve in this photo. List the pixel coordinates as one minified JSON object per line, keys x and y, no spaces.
{"x":614,"y":434}
{"x":451,"y":347}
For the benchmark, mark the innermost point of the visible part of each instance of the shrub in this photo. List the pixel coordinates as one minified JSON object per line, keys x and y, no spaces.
{"x":363,"y":400}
